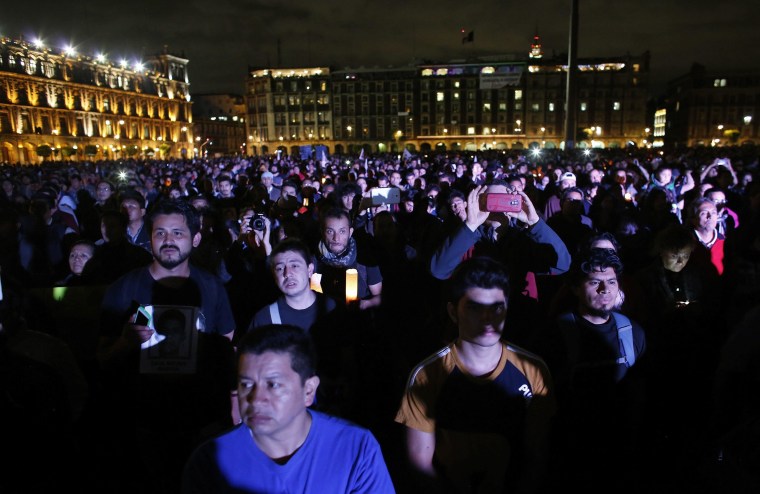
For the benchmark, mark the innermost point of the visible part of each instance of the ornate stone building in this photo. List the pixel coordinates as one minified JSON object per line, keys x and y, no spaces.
{"x":60,"y":104}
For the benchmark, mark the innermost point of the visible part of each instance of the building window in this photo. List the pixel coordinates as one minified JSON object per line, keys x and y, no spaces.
{"x":535,"y":107}
{"x":439,"y":96}
{"x":584,"y":106}
{"x":719,"y":83}
{"x":518,"y":94}
{"x":487,"y":107}
{"x":616,"y":105}
{"x":551,"y":106}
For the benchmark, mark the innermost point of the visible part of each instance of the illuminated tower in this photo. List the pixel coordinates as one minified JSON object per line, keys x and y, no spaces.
{"x":535,"y":47}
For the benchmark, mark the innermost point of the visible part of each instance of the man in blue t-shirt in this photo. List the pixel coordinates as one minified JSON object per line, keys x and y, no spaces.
{"x":281,"y":445}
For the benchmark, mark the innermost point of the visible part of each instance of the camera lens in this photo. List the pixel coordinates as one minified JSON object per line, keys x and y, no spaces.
{"x":258,"y":223}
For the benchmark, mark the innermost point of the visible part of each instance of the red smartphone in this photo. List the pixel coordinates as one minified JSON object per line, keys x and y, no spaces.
{"x":500,"y":202}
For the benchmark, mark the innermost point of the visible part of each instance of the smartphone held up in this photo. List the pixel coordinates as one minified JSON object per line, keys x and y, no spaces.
{"x":500,"y":202}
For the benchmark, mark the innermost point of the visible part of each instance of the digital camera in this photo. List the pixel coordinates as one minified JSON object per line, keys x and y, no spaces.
{"x":258,"y":223}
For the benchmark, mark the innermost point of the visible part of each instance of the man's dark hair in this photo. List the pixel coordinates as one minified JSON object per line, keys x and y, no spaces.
{"x":224,"y":178}
{"x":290,"y":183}
{"x":566,"y":192}
{"x":480,"y":272}
{"x":345,"y":188}
{"x":453,"y":194}
{"x":290,"y":244}
{"x":134,"y":195}
{"x":673,"y":238}
{"x":177,"y":206}
{"x":333,"y":212}
{"x":594,"y":260}
{"x":107,"y":182}
{"x":282,"y":338}
{"x":591,"y":239}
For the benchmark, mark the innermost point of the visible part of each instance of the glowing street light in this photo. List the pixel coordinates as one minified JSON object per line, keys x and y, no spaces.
{"x":200,"y":148}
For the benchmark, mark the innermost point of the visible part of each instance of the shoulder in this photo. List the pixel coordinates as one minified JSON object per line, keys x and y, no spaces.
{"x":201,"y":274}
{"x":134,"y":278}
{"x":339,"y":432}
{"x":438,"y":364}
{"x":223,"y":445}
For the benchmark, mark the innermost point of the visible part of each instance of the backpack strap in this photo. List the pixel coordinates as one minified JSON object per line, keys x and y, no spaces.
{"x":274,"y":313}
{"x":624,"y":327}
{"x":625,"y":337}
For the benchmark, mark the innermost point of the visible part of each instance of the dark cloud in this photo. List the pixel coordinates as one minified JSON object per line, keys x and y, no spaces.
{"x":223,"y":37}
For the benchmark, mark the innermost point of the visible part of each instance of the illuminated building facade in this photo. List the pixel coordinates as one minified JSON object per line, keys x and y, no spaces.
{"x":219,"y":125}
{"x":713,"y":108}
{"x":60,"y":105}
{"x":500,"y":102}
{"x":287,"y":108}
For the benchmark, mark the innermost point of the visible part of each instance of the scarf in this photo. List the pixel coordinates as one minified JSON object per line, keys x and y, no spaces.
{"x":345,"y":259}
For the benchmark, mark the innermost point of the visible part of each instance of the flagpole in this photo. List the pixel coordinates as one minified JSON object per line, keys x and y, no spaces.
{"x":572,"y":63}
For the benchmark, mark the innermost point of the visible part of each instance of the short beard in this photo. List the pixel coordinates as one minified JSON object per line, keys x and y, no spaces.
{"x":173,"y":263}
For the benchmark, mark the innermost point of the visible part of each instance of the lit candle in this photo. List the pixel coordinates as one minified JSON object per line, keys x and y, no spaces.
{"x":315,"y":282}
{"x":352,"y":281}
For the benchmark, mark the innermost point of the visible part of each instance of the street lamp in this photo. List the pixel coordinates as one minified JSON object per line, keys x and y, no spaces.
{"x":200,"y":148}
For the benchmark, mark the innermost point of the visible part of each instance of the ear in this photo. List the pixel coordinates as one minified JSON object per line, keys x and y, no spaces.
{"x":452,"y":311}
{"x":310,"y":390}
{"x":197,"y":239}
{"x":351,"y":232}
{"x":310,"y":269}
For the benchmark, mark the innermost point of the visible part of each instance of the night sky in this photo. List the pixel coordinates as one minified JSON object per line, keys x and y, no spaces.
{"x":222,"y":38}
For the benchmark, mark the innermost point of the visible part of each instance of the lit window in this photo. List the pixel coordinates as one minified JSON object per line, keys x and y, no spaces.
{"x":518,"y":94}
{"x":551,"y":106}
{"x":535,"y":107}
{"x":616,"y":105}
{"x":439,"y":96}
{"x":584,"y":106}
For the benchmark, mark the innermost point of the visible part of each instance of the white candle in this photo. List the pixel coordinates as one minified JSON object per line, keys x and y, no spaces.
{"x":352,"y":281}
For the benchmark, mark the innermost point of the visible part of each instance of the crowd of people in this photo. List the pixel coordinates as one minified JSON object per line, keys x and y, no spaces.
{"x":373,"y":324}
